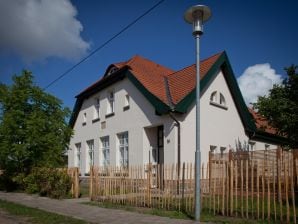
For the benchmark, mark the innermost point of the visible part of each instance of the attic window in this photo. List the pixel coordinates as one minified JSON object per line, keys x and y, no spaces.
{"x":217,"y":99}
{"x":112,"y":70}
{"x":222,"y":100}
{"x":213,"y":97}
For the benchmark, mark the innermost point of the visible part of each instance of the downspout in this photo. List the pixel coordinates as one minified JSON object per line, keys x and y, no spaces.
{"x":178,"y":142}
{"x":172,"y":106}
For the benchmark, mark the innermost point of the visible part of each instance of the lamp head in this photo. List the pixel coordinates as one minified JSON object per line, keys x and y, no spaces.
{"x":197,"y":15}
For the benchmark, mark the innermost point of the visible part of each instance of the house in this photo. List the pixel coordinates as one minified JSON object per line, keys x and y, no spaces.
{"x":141,"y":112}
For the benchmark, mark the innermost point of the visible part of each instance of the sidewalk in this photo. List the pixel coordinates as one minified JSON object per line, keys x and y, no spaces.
{"x":73,"y":207}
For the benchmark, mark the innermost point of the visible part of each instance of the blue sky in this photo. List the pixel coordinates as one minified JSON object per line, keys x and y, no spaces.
{"x":48,"y":37}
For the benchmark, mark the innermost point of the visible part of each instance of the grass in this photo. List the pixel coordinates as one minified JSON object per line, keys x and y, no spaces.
{"x":37,"y":216}
{"x":205,"y":216}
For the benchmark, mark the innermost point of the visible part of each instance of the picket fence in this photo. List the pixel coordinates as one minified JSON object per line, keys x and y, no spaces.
{"x":260,"y":185}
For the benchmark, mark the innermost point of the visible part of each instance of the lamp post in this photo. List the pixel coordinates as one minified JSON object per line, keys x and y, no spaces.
{"x":197,"y":15}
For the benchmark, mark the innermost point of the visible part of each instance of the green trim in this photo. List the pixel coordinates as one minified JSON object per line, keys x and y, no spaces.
{"x":247,"y":119}
{"x":75,"y":112}
{"x":269,"y":138}
{"x":159,"y":106}
{"x":221,"y":63}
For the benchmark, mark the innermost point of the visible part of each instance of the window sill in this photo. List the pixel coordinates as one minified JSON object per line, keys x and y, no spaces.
{"x":218,"y":105}
{"x":126,"y":108}
{"x":110,"y":115}
{"x":84,"y":124}
{"x":95,"y":120}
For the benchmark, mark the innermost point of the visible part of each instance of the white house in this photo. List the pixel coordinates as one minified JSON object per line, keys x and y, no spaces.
{"x":141,"y":112}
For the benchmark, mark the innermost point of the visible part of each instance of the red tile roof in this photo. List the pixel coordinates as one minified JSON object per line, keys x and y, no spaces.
{"x":184,"y":81}
{"x":262,"y":123}
{"x":150,"y":74}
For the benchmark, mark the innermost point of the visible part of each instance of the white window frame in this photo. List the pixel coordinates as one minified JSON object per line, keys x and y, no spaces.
{"x":111,"y":102}
{"x":84,"y":118}
{"x":104,"y":154}
{"x":78,"y":154}
{"x":126,"y":100}
{"x":123,"y":149}
{"x":90,"y":146}
{"x":213,"y":97}
{"x":96,"y":108}
{"x":217,"y":99}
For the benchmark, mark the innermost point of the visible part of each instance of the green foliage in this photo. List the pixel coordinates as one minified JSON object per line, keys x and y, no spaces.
{"x":33,"y":127}
{"x":36,"y":216}
{"x":281,"y":105}
{"x":48,"y":182}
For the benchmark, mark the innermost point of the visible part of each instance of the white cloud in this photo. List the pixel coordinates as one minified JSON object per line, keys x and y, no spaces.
{"x":37,"y":29}
{"x":256,"y":81}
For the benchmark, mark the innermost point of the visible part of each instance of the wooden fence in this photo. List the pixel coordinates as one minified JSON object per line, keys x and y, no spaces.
{"x":75,"y":185}
{"x":260,"y":185}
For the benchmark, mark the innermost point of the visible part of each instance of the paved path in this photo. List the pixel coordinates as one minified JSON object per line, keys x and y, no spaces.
{"x":73,"y":207}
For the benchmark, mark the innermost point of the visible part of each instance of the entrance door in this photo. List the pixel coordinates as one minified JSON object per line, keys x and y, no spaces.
{"x":160,"y":151}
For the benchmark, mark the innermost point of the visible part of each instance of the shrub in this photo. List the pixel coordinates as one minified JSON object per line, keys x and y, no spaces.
{"x":50,"y":182}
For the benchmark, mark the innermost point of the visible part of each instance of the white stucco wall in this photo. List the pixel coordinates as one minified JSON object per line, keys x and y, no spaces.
{"x":219,"y":127}
{"x":140,"y":115}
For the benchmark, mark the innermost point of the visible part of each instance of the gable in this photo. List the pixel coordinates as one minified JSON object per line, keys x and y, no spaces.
{"x":170,"y":91}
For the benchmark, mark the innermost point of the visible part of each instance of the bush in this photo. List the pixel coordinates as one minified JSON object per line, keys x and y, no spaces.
{"x":48,"y":182}
{"x":7,"y":184}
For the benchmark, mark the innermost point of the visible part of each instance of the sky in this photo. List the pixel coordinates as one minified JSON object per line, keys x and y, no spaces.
{"x":48,"y":37}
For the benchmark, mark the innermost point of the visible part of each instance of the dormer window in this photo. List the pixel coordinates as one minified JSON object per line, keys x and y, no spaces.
{"x":217,"y":99}
{"x":112,"y":70}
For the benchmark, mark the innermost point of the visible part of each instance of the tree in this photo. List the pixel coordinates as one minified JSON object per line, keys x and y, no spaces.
{"x":33,"y":127}
{"x":280,"y":107}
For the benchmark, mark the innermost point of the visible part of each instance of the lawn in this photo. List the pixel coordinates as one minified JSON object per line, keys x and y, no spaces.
{"x":205,"y":215}
{"x":37,"y":216}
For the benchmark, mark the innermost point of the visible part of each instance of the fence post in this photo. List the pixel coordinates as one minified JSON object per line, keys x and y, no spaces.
{"x":91,"y":183}
{"x":183,"y":185}
{"x":76,"y":183}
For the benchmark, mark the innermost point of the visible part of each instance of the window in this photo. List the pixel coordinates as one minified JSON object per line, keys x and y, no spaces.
{"x":213,"y":97}
{"x":213,"y":148}
{"x":267,"y":146}
{"x":96,"y":108}
{"x":111,"y":102}
{"x":252,"y":146}
{"x":90,"y":145}
{"x":78,"y":155}
{"x":126,"y":102}
{"x":217,"y":99}
{"x":222,"y":100}
{"x":104,"y":156}
{"x":123,"y":149}
{"x":84,"y":119}
{"x":112,"y":70}
{"x":222,"y":150}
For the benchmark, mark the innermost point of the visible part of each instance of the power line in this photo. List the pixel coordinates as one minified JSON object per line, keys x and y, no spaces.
{"x":104,"y":44}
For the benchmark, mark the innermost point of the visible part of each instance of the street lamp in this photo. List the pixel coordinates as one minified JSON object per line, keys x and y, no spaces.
{"x":197,"y":15}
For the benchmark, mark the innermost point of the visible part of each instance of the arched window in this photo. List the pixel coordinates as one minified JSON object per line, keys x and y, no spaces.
{"x":213,"y":97}
{"x":222,"y":100}
{"x":217,"y":99}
